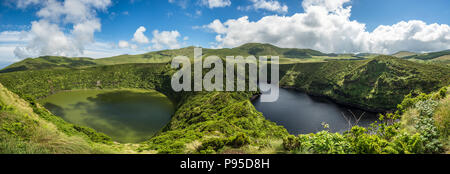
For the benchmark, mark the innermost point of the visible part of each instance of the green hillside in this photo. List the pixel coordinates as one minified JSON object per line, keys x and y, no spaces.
{"x":420,"y":124}
{"x":227,"y":122}
{"x":429,"y":56}
{"x":205,"y":122}
{"x":29,"y":128}
{"x":402,"y":54}
{"x":287,"y":56}
{"x":46,"y":62}
{"x":229,"y":118}
{"x":164,"y":56}
{"x":376,"y":84}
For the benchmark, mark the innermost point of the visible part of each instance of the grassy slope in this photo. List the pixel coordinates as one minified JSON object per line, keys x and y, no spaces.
{"x":429,"y":56}
{"x":429,"y":114}
{"x":228,"y":118}
{"x":215,"y":122}
{"x":31,"y":129}
{"x":442,"y":120}
{"x":375,"y":84}
{"x":287,"y":55}
{"x":45,"y":62}
{"x":227,"y":122}
{"x":420,"y":125}
{"x":164,"y":56}
{"x":402,"y":54}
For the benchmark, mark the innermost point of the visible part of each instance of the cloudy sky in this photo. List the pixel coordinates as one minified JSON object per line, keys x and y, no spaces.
{"x":101,"y":28}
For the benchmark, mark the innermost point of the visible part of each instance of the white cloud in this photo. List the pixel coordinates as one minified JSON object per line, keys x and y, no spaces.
{"x":326,"y":26}
{"x":13,"y":36}
{"x":160,"y":40}
{"x":126,"y":45}
{"x":329,"y":5}
{"x":83,"y":32}
{"x":165,"y":39}
{"x":217,"y":27}
{"x":216,"y":3}
{"x":269,"y":5}
{"x":123,"y":44}
{"x":139,"y":36}
{"x":47,"y":34}
{"x":7,"y":53}
{"x":26,"y":3}
{"x":48,"y":39}
{"x":106,"y":49}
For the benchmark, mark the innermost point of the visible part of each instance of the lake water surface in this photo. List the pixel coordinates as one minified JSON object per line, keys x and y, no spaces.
{"x":128,"y":116}
{"x":131,"y":116}
{"x":300,"y":113}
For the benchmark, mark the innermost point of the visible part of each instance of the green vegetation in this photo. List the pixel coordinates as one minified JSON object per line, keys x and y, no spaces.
{"x":402,"y":54}
{"x":41,"y":83}
{"x":215,"y":116}
{"x":377,"y":84}
{"x":46,"y":62}
{"x":227,"y":122}
{"x":429,"y":56}
{"x":287,"y":55}
{"x":390,"y":136}
{"x":30,"y":128}
{"x":200,"y":116}
{"x":108,"y":111}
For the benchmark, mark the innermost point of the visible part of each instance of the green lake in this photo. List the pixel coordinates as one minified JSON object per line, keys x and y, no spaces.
{"x":127,"y":116}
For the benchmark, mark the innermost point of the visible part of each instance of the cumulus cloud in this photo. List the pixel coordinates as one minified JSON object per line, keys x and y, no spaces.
{"x":48,"y":39}
{"x":126,"y":45}
{"x":165,"y":39}
{"x":326,"y":26}
{"x":329,"y":5}
{"x":139,"y":36}
{"x":123,"y":44}
{"x":26,"y":3}
{"x":269,"y":5}
{"x":160,"y":40}
{"x":216,"y":3}
{"x":13,"y":36}
{"x":217,"y":27}
{"x":47,"y":36}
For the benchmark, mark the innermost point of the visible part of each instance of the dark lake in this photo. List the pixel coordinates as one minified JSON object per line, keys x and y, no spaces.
{"x":300,"y":113}
{"x":127,"y":116}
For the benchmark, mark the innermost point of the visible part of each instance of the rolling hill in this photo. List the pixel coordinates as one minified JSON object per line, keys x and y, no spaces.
{"x":49,"y":62}
{"x":222,"y":122}
{"x":429,"y":56}
{"x":402,"y":54}
{"x":164,"y":56}
{"x":376,"y":84}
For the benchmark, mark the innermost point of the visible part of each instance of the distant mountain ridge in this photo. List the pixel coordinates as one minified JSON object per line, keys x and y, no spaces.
{"x":377,"y":84}
{"x":429,"y":56}
{"x":164,"y":56}
{"x":402,"y":54}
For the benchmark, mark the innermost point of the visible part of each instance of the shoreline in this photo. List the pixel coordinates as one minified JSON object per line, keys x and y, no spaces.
{"x":350,"y":105}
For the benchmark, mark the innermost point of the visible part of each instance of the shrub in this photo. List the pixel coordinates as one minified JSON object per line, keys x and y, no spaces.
{"x":213,"y":144}
{"x":426,"y":108}
{"x":97,"y":137}
{"x":443,"y":92}
{"x":239,"y":140}
{"x":291,"y":143}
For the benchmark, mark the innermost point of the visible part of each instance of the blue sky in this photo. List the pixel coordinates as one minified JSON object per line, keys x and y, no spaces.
{"x":119,"y":21}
